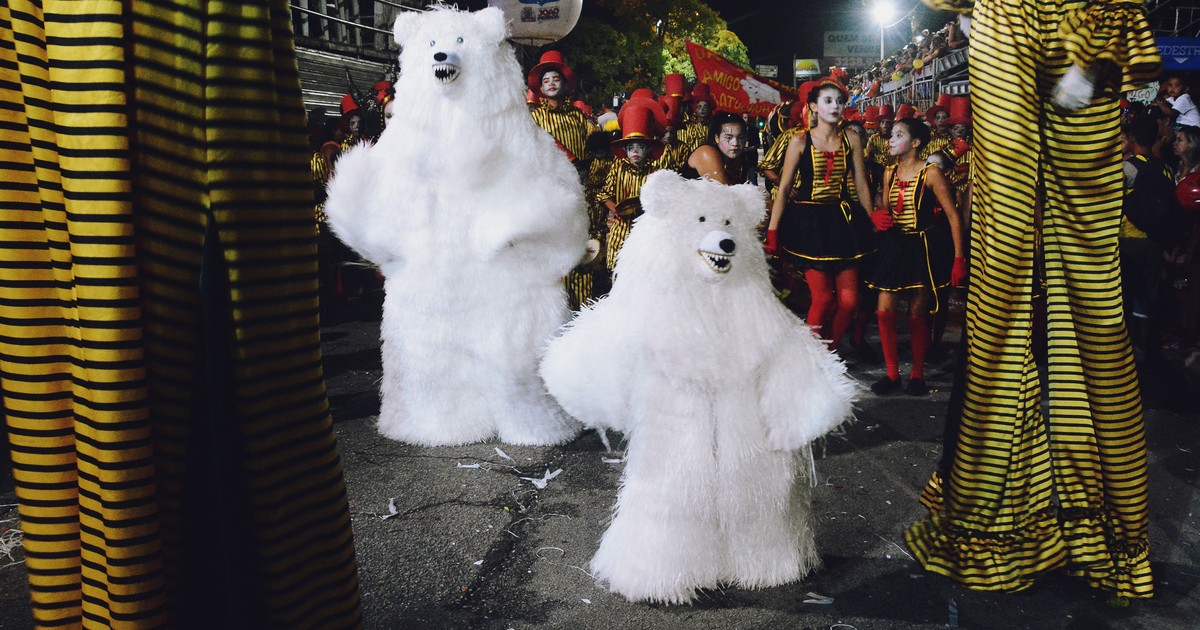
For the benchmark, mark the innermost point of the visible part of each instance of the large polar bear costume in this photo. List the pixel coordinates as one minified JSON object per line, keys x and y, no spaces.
{"x":473,"y":216}
{"x":719,"y":389}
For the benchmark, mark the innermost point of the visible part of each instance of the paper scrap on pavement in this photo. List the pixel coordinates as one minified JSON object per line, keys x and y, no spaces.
{"x":468,"y":465}
{"x":478,"y":562}
{"x":392,"y":510}
{"x":611,"y":460}
{"x":586,"y":601}
{"x":540,"y":484}
{"x":817,"y":598}
{"x":504,"y":455}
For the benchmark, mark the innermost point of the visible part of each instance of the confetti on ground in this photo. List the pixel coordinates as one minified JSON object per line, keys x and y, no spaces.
{"x":817,"y":598}
{"x":467,"y":465}
{"x":504,"y":455}
{"x":392,"y":510}
{"x":586,"y":601}
{"x":540,"y":484}
{"x":611,"y":460}
{"x":477,"y":562}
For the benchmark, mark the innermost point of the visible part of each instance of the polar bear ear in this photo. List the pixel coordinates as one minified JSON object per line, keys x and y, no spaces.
{"x":492,"y":23}
{"x":407,"y":23}
{"x":662,"y":189}
{"x":751,"y":204}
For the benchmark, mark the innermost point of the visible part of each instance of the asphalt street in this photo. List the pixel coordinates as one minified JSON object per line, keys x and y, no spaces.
{"x":463,"y":538}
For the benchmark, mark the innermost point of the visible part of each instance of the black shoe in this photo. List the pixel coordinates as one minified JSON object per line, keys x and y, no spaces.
{"x":886,"y":385}
{"x":916,"y":387}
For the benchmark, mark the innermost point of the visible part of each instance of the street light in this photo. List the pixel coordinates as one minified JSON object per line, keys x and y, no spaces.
{"x":884,"y":12}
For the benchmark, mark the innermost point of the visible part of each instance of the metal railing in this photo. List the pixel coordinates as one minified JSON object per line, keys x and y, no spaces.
{"x":344,"y":22}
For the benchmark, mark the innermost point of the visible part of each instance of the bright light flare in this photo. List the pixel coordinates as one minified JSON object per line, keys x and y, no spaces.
{"x":884,"y":12}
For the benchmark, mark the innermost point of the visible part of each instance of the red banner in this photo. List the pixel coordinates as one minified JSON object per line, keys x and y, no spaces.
{"x":736,"y":89}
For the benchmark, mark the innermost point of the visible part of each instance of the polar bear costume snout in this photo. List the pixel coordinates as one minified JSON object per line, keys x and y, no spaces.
{"x":718,"y":248}
{"x":446,"y":66}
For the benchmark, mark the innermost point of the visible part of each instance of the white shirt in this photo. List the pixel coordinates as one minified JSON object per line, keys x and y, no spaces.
{"x":1187,"y":110}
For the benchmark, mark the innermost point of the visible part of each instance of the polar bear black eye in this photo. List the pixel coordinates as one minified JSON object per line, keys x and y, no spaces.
{"x":432,"y":43}
{"x":702,"y":219}
{"x":460,"y":40}
{"x":726,"y":221}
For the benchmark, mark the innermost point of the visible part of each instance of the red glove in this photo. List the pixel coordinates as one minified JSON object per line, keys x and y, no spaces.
{"x":958,"y":273}
{"x":882,"y":219}
{"x":771,"y":247}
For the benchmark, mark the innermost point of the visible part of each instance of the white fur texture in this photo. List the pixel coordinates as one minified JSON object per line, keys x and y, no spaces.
{"x":474,"y":217}
{"x":719,"y":389}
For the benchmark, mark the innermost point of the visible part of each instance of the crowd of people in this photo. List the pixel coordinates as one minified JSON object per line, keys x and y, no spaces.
{"x":924,"y":48}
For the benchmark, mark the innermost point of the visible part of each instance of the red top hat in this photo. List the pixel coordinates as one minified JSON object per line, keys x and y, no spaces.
{"x":871,"y":117}
{"x":583,"y":107}
{"x":551,"y":60}
{"x":701,"y":92}
{"x":960,"y":111}
{"x":644,"y":97}
{"x":886,"y":112}
{"x":383,"y":92}
{"x":851,"y":114}
{"x":675,"y":84}
{"x":673,"y":107}
{"x":906,"y":111}
{"x":638,"y":123}
{"x":349,"y":105}
{"x":943,"y":104}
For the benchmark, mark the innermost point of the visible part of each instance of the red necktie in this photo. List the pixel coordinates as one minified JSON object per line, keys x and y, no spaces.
{"x":903,"y":186}
{"x":829,"y":156}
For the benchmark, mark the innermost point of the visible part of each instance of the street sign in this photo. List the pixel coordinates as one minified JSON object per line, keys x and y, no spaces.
{"x":864,"y":43}
{"x":806,"y":68}
{"x":767,"y":71}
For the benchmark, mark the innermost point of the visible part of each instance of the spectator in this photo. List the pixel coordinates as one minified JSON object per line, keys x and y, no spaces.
{"x":1174,"y":101}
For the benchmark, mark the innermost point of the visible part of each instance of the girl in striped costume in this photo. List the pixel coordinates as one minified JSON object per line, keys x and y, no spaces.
{"x":915,"y":251}
{"x":819,"y":229}
{"x":1020,"y":494}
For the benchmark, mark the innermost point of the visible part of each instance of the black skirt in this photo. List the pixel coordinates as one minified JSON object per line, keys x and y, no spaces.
{"x":825,"y":236}
{"x":910,"y":260}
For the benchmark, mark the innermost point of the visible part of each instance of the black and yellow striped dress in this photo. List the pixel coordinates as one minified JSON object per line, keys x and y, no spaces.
{"x":1026,"y":494}
{"x":160,"y":362}
{"x":918,"y":250}
{"x":566,"y":124}
{"x":772,"y":159}
{"x":624,"y":182}
{"x":823,"y":229}
{"x":674,"y":157}
{"x":694,"y":133}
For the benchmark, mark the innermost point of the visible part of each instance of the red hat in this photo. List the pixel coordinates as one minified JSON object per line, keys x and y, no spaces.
{"x":960,"y":111}
{"x":886,"y":112}
{"x":701,"y":92}
{"x":871,"y":117}
{"x":906,"y":111}
{"x":383,"y":92}
{"x":638,"y":123}
{"x":675,"y":84}
{"x":942,"y":105}
{"x":349,"y":105}
{"x":673,"y":107}
{"x":820,"y":84}
{"x":583,"y":107}
{"x":551,"y":60}
{"x":1187,"y":193}
{"x":644,"y":97}
{"x":851,"y":114}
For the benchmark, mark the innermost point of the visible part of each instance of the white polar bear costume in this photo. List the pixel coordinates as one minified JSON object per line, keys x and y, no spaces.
{"x":719,"y":389}
{"x":474,"y":217}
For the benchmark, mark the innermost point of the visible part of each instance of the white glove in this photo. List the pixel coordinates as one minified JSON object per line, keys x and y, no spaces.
{"x":964,"y":25}
{"x":1074,"y":91}
{"x":591,"y":250}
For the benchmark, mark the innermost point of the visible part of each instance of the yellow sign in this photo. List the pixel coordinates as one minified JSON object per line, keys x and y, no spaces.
{"x":805,"y":68}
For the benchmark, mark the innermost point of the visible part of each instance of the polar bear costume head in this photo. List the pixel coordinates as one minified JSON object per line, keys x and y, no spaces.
{"x":694,"y":235}
{"x":454,"y":63}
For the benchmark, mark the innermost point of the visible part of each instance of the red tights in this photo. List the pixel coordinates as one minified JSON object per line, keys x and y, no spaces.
{"x":918,"y":329}
{"x":834,"y":297}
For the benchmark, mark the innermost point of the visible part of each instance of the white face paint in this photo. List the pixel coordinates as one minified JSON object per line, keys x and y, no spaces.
{"x":352,"y":124}
{"x":830,"y":104}
{"x":637,"y":152}
{"x":552,"y":84}
{"x":901,"y":141}
{"x":703,"y":109}
{"x":940,"y":118}
{"x":387,"y":112}
{"x":732,"y":140}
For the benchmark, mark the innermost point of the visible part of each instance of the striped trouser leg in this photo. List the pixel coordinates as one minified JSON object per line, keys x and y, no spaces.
{"x":579,"y":287}
{"x":998,"y":525}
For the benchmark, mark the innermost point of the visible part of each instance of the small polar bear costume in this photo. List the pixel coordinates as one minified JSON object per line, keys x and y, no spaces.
{"x":474,"y":217}
{"x":719,"y":390}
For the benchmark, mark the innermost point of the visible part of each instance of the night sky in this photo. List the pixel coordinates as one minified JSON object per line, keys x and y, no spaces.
{"x":774,"y":31}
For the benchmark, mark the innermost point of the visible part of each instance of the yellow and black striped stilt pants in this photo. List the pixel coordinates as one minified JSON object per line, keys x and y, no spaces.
{"x":160,"y":364}
{"x":1027,"y":494}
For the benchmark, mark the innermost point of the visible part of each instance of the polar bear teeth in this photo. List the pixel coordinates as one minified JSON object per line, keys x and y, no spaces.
{"x":719,"y":263}
{"x":445,"y":72}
